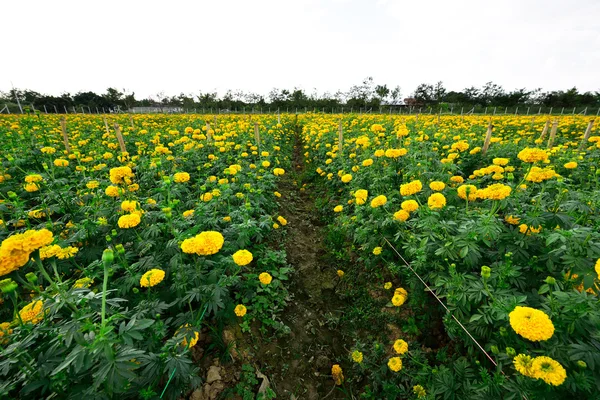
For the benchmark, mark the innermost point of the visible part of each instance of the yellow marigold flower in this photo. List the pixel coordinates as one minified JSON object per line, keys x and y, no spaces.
{"x":33,"y":178}
{"x":548,"y":370}
{"x":282,"y":220}
{"x":188,"y":213}
{"x":497,"y":191}
{"x":275,"y":226}
{"x":49,"y":251}
{"x":395,"y":364}
{"x":368,"y":162}
{"x":467,"y":192}
{"x":597,"y":268}
{"x":530,"y":323}
{"x":340,"y":273}
{"x":537,"y":174}
{"x":31,"y":187}
{"x":338,"y":208}
{"x":193,"y":340}
{"x":357,"y":356}
{"x":400,"y":346}
{"x":361,"y":196}
{"x":266,"y":164}
{"x":129,"y":205}
{"x":4,"y":332}
{"x":227,"y":218}
{"x":36,"y":214}
{"x":206,"y":197}
{"x":409,"y":205}
{"x":278,"y":171}
{"x":240,"y":310}
{"x":151,"y":202}
{"x":398,"y":300}
{"x":277,"y":194}
{"x":152,"y":277}
{"x":411,"y":188}
{"x":48,"y":150}
{"x":419,"y":391}
{"x":129,"y":221}
{"x":437,"y":186}
{"x":15,"y":250}
{"x":387,"y":285}
{"x":67,"y":252}
{"x":203,"y":244}
{"x":436,"y":201}
{"x":531,"y":155}
{"x":500,"y":161}
{"x":83,"y":283}
{"x":378,"y":201}
{"x":457,"y":179}
{"x":377,"y":250}
{"x":112,"y":191}
{"x":401,"y":215}
{"x":120,"y":174}
{"x":61,"y":162}
{"x":337,"y":374}
{"x":92,"y":184}
{"x":32,"y":312}
{"x":523,"y":228}
{"x":512,"y":220}
{"x":242,"y":257}
{"x":265,"y":278}
{"x":181,"y":177}
{"x":570,"y":165}
{"x":346,"y":178}
{"x":522,"y":364}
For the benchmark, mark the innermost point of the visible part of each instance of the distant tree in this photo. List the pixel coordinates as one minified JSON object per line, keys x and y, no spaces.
{"x":439,"y":91}
{"x":382,"y":92}
{"x":395,"y":95}
{"x":423,"y":94}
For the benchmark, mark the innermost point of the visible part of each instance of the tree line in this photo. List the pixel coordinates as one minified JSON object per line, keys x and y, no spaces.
{"x":366,"y":95}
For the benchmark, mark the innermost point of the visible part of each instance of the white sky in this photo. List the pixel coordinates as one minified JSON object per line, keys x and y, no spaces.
{"x":179,"y":46}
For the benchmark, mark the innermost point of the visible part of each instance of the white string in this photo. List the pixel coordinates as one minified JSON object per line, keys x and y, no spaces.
{"x":443,"y":305}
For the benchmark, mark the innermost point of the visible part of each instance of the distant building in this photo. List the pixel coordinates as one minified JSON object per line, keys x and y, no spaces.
{"x":157,"y":109}
{"x":412,"y":102}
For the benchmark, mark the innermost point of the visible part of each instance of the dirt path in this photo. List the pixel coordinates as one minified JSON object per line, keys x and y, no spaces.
{"x":299,"y":364}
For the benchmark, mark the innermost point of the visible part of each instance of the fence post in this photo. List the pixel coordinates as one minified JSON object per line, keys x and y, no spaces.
{"x":45,"y":110}
{"x":553,"y":133}
{"x":488,"y":138}
{"x":545,"y":130}
{"x":340,"y":137}
{"x":586,"y":136}
{"x":63,"y":126}
{"x":120,"y":139}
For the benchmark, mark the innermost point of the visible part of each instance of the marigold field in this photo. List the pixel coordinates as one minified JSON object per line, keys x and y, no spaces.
{"x":299,"y":256}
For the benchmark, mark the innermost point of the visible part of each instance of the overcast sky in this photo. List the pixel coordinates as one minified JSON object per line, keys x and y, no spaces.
{"x":178,"y":46}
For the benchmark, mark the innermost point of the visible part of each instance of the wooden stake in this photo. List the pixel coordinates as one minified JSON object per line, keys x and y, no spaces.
{"x":587,"y":134}
{"x":63,"y":125}
{"x":340,"y":137}
{"x":208,"y":134}
{"x":553,"y":133}
{"x":256,"y":134}
{"x":488,"y":138}
{"x":545,"y":130}
{"x":120,"y":138}
{"x":106,"y":125}
{"x":131,"y":121}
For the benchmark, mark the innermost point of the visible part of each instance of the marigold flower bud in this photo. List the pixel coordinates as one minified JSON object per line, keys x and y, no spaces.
{"x":108,"y":256}
{"x":550,"y":280}
{"x":31,"y":277}
{"x":511,"y":352}
{"x":120,"y":249}
{"x":8,"y":286}
{"x":485,"y":272}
